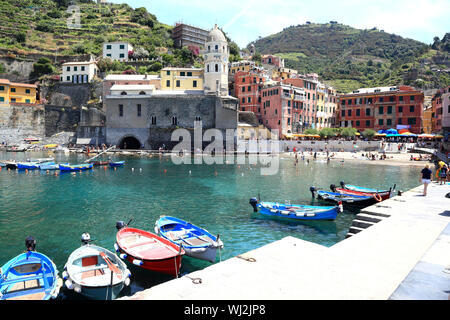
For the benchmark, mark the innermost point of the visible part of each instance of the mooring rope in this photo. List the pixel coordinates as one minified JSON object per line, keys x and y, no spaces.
{"x":250,"y":259}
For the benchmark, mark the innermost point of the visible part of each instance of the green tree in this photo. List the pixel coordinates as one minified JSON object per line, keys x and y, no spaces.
{"x":369,"y":133}
{"x":42,"y":67}
{"x":326,"y":133}
{"x":311,"y":131}
{"x":348,"y":132}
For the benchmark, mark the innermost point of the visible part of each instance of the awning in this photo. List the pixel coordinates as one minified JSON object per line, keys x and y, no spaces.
{"x":84,"y":141}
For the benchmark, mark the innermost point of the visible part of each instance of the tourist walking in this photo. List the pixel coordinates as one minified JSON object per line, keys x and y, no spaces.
{"x":426,"y":178}
{"x":443,"y":174}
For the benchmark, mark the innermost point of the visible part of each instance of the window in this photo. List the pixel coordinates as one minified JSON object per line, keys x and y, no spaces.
{"x":411,"y":108}
{"x":142,"y":93}
{"x":2,"y":88}
{"x":399,"y":120}
{"x":388,"y":122}
{"x":249,"y":99}
{"x":411,"y":120}
{"x":380,"y":110}
{"x":178,"y":83}
{"x":122,"y":46}
{"x":167,"y":73}
{"x":75,"y":68}
{"x":194,"y":83}
{"x":27,"y":91}
{"x":139,"y":110}
{"x":243,"y":89}
{"x":68,"y":78}
{"x":13,"y":99}
{"x":249,"y":88}
{"x":13,"y":89}
{"x":216,"y":68}
{"x":83,"y":68}
{"x":153,"y":120}
{"x":120,"y":110}
{"x":380,"y":122}
{"x":27,"y":101}
{"x":381,"y":99}
{"x":358,"y":112}
{"x":389,"y":110}
{"x":109,"y":55}
{"x":400,"y":109}
{"x":108,"y":47}
{"x":2,"y":99}
{"x":189,"y":74}
{"x":174,"y":121}
{"x":349,"y":112}
{"x":367,"y":123}
{"x":168,"y":83}
{"x":343,"y":113}
{"x":357,"y":123}
{"x":68,"y":69}
{"x":207,"y":68}
{"x":182,"y":74}
{"x":391,"y":98}
{"x":198,"y":118}
{"x":243,"y":100}
{"x":400,"y":98}
{"x":368,"y":112}
{"x":122,"y":55}
{"x":411,"y":98}
{"x":123,"y":93}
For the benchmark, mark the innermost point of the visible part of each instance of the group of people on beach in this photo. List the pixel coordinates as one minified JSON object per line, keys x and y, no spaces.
{"x":442,"y":175}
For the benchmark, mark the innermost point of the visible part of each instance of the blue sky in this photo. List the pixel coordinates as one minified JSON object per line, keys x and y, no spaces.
{"x":246,"y":20}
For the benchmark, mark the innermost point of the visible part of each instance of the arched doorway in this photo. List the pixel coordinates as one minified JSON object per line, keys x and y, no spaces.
{"x":130,"y":143}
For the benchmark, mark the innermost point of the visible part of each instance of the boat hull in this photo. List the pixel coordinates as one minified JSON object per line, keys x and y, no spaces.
{"x":298,"y":212}
{"x":88,"y":272}
{"x":117,"y":164}
{"x":70,"y":168}
{"x":27,"y":166}
{"x":29,"y":267}
{"x":346,"y":198}
{"x":172,"y":228}
{"x":167,"y":264}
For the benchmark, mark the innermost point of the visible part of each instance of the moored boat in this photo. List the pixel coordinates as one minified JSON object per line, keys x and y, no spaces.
{"x":100,"y":163}
{"x":10,"y":165}
{"x":29,"y":276}
{"x":197,"y":242}
{"x":346,"y":198}
{"x":363,"y":189}
{"x":27,"y":165}
{"x":296,"y":211}
{"x":95,"y":272}
{"x":116,"y":163}
{"x":379,"y":196}
{"x":147,"y":250}
{"x":75,"y":167}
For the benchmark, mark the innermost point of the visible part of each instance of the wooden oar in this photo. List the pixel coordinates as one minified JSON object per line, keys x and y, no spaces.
{"x":111,"y":265}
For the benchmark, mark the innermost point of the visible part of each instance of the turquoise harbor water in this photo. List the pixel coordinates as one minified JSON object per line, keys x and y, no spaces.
{"x":56,"y":210}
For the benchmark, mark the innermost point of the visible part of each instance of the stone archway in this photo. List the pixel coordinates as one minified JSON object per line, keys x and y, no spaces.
{"x":130,"y":142}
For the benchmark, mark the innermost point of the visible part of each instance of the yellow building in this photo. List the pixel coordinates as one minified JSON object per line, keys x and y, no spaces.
{"x":320,"y":111}
{"x":427,"y":122}
{"x":243,"y":65}
{"x":11,"y":92}
{"x":182,"y":79}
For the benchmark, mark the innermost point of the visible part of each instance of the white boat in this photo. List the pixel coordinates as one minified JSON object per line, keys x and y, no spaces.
{"x":95,"y":272}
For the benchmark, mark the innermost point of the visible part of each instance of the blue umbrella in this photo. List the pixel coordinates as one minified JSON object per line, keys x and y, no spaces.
{"x":391,"y":131}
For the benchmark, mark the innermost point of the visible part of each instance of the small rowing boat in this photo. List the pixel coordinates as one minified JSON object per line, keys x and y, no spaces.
{"x":147,"y":250}
{"x":49,"y":166}
{"x":363,"y":189}
{"x":197,"y":242}
{"x":345,"y":198}
{"x":29,"y":276}
{"x":116,"y":164}
{"x":95,"y":272}
{"x":27,"y":165}
{"x":379,"y":196}
{"x":296,"y":211}
{"x":75,"y":167}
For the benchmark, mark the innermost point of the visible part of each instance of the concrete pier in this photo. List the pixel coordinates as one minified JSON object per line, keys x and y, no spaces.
{"x":403,"y":255}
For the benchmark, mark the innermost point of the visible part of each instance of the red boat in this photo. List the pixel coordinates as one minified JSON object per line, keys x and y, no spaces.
{"x":148,"y":251}
{"x":378,"y":196}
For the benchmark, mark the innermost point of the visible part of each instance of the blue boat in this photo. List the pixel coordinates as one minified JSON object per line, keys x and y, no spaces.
{"x":75,"y":167}
{"x":197,"y":242}
{"x":49,"y":166}
{"x":27,"y":165}
{"x":295,"y":211}
{"x":116,"y":163}
{"x":29,"y":276}
{"x":346,"y":198}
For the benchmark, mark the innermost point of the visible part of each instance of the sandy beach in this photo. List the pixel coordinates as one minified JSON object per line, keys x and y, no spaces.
{"x":392,"y":159}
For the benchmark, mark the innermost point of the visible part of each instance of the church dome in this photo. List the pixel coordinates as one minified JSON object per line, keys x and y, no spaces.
{"x":215,"y":35}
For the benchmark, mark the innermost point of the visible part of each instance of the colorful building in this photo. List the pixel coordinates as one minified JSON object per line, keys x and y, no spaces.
{"x":282,"y":106}
{"x":181,"y":79}
{"x":117,"y":50}
{"x":186,"y":35}
{"x":272,"y":60}
{"x":247,"y":88}
{"x":382,"y":108}
{"x":79,"y":72}
{"x":11,"y":92}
